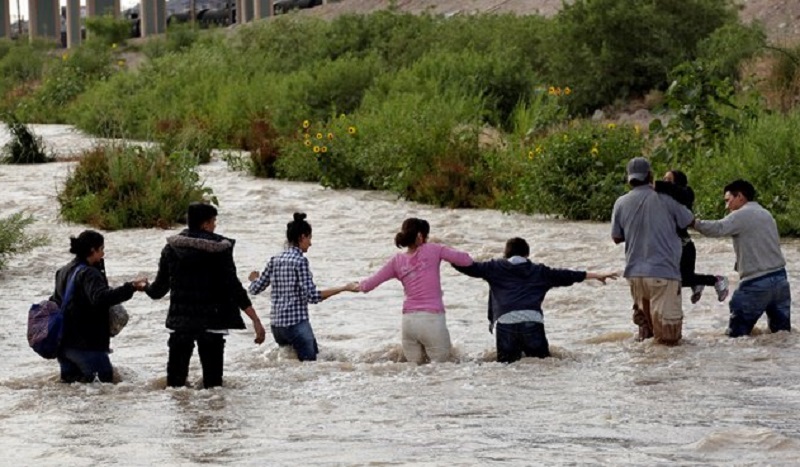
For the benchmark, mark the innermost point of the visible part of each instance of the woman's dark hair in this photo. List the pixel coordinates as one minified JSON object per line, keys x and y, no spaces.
{"x":410,"y":229}
{"x":679,"y":178}
{"x":297,"y":228}
{"x":82,"y":245}
{"x":199,"y":213}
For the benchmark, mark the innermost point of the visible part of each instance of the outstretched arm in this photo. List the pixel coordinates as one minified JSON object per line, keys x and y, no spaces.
{"x":384,"y":274}
{"x":455,"y":257}
{"x":349,"y":287}
{"x":727,"y":227}
{"x":477,"y":270}
{"x":602,"y":276}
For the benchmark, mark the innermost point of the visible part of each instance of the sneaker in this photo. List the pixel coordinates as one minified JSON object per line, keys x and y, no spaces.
{"x":721,"y":287}
{"x":697,"y":292}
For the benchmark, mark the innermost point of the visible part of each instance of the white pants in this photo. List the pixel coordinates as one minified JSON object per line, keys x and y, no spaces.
{"x":425,"y":333}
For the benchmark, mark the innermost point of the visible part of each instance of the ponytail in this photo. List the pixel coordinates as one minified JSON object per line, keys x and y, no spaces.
{"x":409,"y":231}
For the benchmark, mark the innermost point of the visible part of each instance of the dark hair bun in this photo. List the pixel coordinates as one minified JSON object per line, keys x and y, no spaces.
{"x":299,"y":216}
{"x":75,"y":246}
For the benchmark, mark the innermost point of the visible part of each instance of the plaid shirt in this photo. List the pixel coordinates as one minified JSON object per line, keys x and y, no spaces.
{"x":292,"y":287}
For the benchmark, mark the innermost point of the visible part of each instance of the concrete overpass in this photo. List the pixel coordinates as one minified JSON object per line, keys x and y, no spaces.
{"x":44,"y":16}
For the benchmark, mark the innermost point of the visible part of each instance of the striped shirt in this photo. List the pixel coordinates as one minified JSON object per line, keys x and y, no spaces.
{"x":292,"y":287}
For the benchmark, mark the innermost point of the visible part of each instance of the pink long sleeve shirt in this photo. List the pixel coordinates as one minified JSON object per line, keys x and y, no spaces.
{"x":419,"y":274}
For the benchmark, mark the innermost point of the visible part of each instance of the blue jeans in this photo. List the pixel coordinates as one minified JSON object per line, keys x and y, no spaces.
{"x":301,"y":337}
{"x":515,"y":339}
{"x":753,"y":297}
{"x":83,"y":366}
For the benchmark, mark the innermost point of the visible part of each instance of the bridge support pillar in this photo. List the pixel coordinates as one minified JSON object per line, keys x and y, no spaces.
{"x":263,"y":9}
{"x":73,"y":23}
{"x":44,"y":19}
{"x":244,"y":11}
{"x":153,"y":17}
{"x":5,"y":19}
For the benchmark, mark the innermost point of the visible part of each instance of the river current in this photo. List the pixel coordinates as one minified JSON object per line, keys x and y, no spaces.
{"x":602,"y":399}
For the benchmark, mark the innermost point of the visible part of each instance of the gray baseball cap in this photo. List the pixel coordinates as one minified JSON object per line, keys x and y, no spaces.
{"x":638,"y":168}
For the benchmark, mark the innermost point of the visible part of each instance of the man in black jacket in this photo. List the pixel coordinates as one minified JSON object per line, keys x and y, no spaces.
{"x":517,"y":288}
{"x":197,"y":267}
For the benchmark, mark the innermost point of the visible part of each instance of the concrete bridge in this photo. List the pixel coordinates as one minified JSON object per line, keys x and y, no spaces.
{"x":44,"y":16}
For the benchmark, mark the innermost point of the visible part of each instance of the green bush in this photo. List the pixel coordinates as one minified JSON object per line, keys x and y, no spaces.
{"x":577,"y":173}
{"x":115,"y":108}
{"x":14,"y":240}
{"x":119,"y":187}
{"x":66,"y":80}
{"x":767,"y":154}
{"x":24,"y":147}
{"x":616,"y":49}
{"x":723,"y":52}
{"x":194,"y":139}
{"x":701,"y":114}
{"x":180,"y":38}
{"x":108,"y":30}
{"x":22,"y":63}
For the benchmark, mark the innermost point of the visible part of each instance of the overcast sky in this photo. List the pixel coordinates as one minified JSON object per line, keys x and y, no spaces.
{"x":23,"y":5}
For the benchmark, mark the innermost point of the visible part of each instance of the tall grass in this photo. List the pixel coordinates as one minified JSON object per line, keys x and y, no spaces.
{"x":13,"y":238}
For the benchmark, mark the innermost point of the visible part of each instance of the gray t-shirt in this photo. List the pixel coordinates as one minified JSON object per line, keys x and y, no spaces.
{"x":647,"y":221}
{"x":755,"y":239}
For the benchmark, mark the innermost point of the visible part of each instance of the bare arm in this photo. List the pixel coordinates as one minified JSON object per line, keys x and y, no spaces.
{"x":261,"y":334}
{"x":350,"y":287}
{"x":601,"y":276}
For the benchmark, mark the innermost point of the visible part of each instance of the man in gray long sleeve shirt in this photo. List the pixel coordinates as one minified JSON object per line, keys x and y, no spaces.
{"x":759,"y":261}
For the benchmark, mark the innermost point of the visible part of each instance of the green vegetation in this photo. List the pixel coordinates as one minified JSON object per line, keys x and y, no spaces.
{"x":118,"y":187}
{"x":766,"y":153}
{"x":14,"y":240}
{"x":467,"y":111}
{"x":108,"y":30}
{"x":24,"y":146}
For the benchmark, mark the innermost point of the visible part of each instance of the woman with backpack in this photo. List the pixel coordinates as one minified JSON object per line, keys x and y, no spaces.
{"x":85,"y":343}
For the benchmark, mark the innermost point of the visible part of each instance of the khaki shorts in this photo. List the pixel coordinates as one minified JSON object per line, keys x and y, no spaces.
{"x":657,"y":308}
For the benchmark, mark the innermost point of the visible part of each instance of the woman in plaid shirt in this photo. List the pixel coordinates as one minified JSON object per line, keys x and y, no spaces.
{"x":293,"y":289}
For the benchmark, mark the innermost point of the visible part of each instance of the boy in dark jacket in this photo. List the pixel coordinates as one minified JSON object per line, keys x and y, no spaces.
{"x":517,"y":288}
{"x":206,"y":296}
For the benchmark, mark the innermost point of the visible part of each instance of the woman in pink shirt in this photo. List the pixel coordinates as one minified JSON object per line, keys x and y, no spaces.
{"x":424,"y":325}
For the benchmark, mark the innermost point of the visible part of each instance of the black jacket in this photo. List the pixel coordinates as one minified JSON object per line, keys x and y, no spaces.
{"x":197,"y":268}
{"x":520,"y":286}
{"x":86,"y":325}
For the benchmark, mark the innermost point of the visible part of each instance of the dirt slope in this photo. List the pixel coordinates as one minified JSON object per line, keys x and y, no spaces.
{"x":780,"y":17}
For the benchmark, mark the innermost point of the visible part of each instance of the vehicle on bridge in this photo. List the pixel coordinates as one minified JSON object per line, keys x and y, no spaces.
{"x":285,"y":6}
